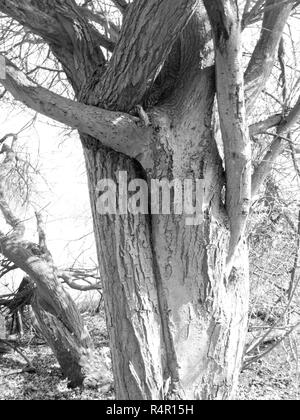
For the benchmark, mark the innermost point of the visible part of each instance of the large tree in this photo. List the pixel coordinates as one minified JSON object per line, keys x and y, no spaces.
{"x":176,"y":296}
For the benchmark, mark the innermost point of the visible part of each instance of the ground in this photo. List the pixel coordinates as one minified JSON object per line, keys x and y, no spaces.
{"x":274,"y":378}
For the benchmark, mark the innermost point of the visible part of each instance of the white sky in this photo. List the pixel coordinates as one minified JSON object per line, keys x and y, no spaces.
{"x":65,"y":199}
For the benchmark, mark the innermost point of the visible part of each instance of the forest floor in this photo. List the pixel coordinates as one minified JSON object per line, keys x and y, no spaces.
{"x":274,"y":378}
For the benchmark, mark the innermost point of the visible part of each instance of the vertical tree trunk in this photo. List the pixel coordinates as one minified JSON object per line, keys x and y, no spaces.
{"x":205,"y":316}
{"x":71,"y":345}
{"x":177,"y":327}
{"x":57,"y":315}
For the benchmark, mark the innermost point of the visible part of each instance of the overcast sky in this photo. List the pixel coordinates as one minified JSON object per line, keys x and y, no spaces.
{"x":64,"y":197}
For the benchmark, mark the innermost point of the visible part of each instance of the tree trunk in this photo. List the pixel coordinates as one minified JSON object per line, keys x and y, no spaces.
{"x":71,"y":345}
{"x":57,"y":315}
{"x":129,"y":284}
{"x":177,"y":322}
{"x":177,"y":326}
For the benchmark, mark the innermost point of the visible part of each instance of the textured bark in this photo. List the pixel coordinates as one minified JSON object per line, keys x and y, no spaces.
{"x":2,"y":328}
{"x":199,"y":307}
{"x":58,"y":317}
{"x":176,"y":296}
{"x":71,"y":344}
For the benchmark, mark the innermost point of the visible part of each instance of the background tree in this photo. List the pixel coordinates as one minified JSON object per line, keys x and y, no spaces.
{"x":176,"y":297}
{"x":57,"y":316}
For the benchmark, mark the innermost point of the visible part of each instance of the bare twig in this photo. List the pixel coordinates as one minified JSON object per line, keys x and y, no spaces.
{"x":17,"y":350}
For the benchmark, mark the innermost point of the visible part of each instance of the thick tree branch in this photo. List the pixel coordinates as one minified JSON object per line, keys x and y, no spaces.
{"x":149,"y":31}
{"x":225,"y":17}
{"x":265,"y":52}
{"x":276,"y":148}
{"x":64,"y":28}
{"x":118,"y":131}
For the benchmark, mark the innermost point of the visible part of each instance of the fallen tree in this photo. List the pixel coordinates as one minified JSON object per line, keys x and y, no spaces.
{"x":57,"y":315}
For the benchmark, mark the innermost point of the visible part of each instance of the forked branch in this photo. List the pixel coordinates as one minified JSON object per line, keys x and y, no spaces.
{"x":122,"y":5}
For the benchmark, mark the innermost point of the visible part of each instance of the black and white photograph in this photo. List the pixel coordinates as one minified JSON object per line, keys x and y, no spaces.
{"x":149,"y":203}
